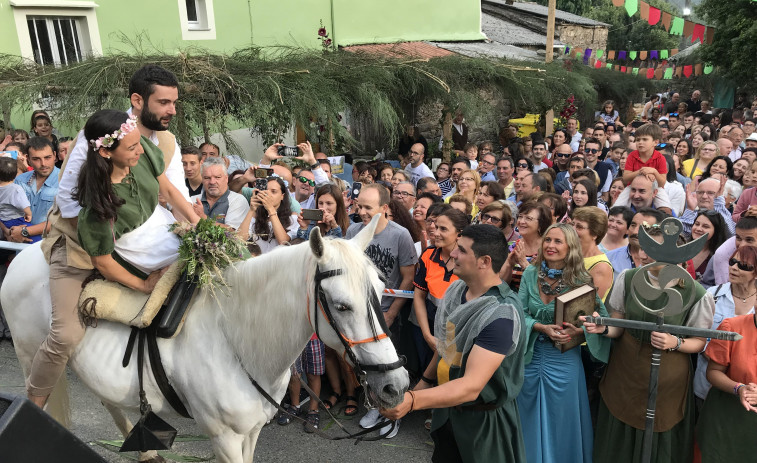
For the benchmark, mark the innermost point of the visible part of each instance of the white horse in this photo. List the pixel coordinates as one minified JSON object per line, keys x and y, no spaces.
{"x":258,"y":329}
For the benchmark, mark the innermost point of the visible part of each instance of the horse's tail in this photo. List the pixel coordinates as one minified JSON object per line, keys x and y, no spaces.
{"x":58,"y":405}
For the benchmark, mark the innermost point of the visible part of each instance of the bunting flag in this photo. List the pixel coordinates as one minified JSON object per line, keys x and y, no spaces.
{"x":710,"y":35}
{"x":600,"y":53}
{"x":587,"y":55}
{"x":644,"y":11}
{"x":658,"y":73}
{"x":611,"y":54}
{"x":707,"y":68}
{"x":650,"y":73}
{"x":663,"y":54}
{"x":688,"y":70}
{"x":635,"y":71}
{"x":697,"y":33}
{"x":632,"y":6}
{"x":666,"y":18}
{"x":609,"y":66}
{"x":632,"y":55}
{"x":688,"y":28}
{"x":654,"y":15}
{"x":622,"y":54}
{"x":622,"y":69}
{"x":618,"y":3}
{"x":698,"y":69}
{"x":678,"y":71}
{"x":643,"y":55}
{"x":676,"y":27}
{"x":567,"y":50}
{"x":598,"y":64}
{"x":668,"y":73}
{"x":653,"y":54}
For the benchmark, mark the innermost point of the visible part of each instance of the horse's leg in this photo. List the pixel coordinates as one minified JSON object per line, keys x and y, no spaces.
{"x":248,"y":448}
{"x":228,"y":447}
{"x":124,"y":425}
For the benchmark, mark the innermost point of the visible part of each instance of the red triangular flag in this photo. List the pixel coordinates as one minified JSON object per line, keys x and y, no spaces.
{"x":654,"y":15}
{"x":698,"y":33}
{"x":650,"y":73}
{"x":666,"y":18}
{"x":598,"y":64}
{"x":710,"y":34}
{"x":622,"y":69}
{"x":644,"y":10}
{"x":688,"y":28}
{"x":687,"y":70}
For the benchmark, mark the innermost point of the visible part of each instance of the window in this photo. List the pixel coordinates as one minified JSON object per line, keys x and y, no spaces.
{"x":55,"y":40}
{"x":197,"y":20}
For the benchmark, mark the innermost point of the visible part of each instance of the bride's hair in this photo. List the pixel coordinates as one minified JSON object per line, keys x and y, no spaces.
{"x":94,"y":188}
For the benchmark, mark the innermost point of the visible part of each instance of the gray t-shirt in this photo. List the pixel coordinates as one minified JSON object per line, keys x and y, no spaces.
{"x":389,"y":250}
{"x":13,"y":200}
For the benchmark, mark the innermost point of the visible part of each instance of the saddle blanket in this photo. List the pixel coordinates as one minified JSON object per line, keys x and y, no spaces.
{"x":108,"y":300}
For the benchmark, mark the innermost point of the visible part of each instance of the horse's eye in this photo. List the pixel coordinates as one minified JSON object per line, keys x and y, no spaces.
{"x":342,"y":308}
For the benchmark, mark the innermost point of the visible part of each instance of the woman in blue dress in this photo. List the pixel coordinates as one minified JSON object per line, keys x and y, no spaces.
{"x":553,"y":403}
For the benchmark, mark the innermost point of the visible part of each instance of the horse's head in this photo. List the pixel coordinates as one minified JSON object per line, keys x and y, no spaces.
{"x":346,"y":314}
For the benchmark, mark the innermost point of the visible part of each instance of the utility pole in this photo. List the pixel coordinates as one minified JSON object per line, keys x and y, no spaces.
{"x":548,"y":126}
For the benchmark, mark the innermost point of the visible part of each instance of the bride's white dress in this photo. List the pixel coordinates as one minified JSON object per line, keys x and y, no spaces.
{"x":151,"y":246}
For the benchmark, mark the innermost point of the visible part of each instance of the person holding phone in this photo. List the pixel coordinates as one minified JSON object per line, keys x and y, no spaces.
{"x":269,"y":221}
{"x":334,"y":220}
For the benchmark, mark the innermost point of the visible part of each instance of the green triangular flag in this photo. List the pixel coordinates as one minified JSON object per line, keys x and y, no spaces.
{"x":602,"y":52}
{"x":609,"y":66}
{"x":663,"y":54}
{"x":632,"y":6}
{"x":707,"y":68}
{"x":668,"y":73}
{"x":632,"y":55}
{"x":635,"y":71}
{"x":579,"y":55}
{"x":676,"y":27}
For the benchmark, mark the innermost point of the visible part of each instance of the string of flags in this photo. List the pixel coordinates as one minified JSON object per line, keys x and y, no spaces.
{"x":663,"y":70}
{"x":673,"y":24}
{"x":621,"y":55}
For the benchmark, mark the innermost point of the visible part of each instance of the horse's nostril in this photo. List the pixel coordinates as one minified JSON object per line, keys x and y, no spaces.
{"x":390,"y":390}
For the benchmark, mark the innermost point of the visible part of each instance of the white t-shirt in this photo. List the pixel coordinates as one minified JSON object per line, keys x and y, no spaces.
{"x":417,"y":173}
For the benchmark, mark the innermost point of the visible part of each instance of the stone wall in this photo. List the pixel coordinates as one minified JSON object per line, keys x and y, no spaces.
{"x":576,"y":35}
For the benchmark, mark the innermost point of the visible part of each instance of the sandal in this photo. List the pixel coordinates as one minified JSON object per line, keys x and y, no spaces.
{"x":427,"y":424}
{"x":351,"y":410}
{"x":312,"y":422}
{"x":329,"y":404}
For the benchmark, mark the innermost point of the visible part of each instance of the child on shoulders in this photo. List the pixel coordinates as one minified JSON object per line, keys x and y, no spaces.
{"x":15,"y":208}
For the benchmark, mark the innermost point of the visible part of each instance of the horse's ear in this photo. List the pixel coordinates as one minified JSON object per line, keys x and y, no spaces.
{"x":365,"y":236}
{"x":316,"y":242}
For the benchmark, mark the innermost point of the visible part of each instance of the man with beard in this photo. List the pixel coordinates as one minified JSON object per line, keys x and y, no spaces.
{"x":626,"y":257}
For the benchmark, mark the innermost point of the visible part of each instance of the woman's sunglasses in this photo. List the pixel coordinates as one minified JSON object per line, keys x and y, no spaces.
{"x":741,"y":265}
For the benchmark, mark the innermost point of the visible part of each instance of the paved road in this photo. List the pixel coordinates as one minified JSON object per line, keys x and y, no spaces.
{"x":90,"y":422}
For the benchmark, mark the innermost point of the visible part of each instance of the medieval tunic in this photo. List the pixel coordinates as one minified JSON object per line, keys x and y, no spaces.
{"x":481,"y":435}
{"x":725,"y":430}
{"x":553,"y":403}
{"x":139,"y":239}
{"x":625,"y":384}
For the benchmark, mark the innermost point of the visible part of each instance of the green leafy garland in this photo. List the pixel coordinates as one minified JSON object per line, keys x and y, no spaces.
{"x":206,"y":250}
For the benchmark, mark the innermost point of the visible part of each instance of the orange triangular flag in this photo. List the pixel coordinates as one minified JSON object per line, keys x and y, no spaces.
{"x":644,"y":10}
{"x":659,"y":73}
{"x":643,"y":55}
{"x":666,"y":18}
{"x":678,"y":71}
{"x":611,"y":55}
{"x":619,"y":3}
{"x":710,"y":34}
{"x":688,"y":28}
{"x":673,"y":52}
{"x":698,"y":69}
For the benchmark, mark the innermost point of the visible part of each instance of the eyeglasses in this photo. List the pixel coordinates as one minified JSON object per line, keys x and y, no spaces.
{"x":492,"y":219}
{"x":661,"y":145}
{"x":673,"y":114}
{"x":306,"y":180}
{"x":403,"y":194}
{"x":467,"y":179}
{"x":562,"y":155}
{"x":526,"y":218}
{"x":591,"y":150}
{"x":707,"y":193}
{"x":741,"y":265}
{"x":523,"y":165}
{"x":486,"y":163}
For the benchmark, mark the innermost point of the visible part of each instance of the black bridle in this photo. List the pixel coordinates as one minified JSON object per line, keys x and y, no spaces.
{"x":361,"y":369}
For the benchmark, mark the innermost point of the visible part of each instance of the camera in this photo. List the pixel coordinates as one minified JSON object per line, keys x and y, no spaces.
{"x":289,"y":151}
{"x":261,"y":184}
{"x":356,"y":189}
{"x":312,"y":214}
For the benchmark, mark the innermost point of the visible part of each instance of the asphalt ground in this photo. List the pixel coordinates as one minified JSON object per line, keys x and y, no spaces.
{"x":286,"y":444}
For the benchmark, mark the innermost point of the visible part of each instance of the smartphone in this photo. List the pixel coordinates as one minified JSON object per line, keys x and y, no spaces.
{"x":312,"y":214}
{"x":9,"y":154}
{"x":261,"y":184}
{"x":356,"y":186}
{"x":262,"y":172}
{"x":289,"y":151}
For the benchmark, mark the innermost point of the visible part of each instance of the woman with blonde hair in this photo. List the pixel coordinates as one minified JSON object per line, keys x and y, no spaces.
{"x":553,"y":403}
{"x":591,"y":223}
{"x":697,"y":165}
{"x":468,"y":185}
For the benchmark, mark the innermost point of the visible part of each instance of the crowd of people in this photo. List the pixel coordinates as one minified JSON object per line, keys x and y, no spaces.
{"x":485,"y":243}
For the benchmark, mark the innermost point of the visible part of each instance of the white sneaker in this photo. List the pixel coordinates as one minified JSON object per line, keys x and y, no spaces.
{"x":387,"y":427}
{"x":371,"y":419}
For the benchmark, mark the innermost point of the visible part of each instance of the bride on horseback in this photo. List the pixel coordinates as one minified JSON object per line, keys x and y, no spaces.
{"x":121,"y":227}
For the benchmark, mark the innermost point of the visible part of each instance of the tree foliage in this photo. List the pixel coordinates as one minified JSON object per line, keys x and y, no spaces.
{"x":734,"y":47}
{"x":270,"y":89}
{"x":579,"y":7}
{"x":632,"y":32}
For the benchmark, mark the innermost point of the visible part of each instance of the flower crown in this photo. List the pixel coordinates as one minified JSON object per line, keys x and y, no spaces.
{"x":108,"y":140}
